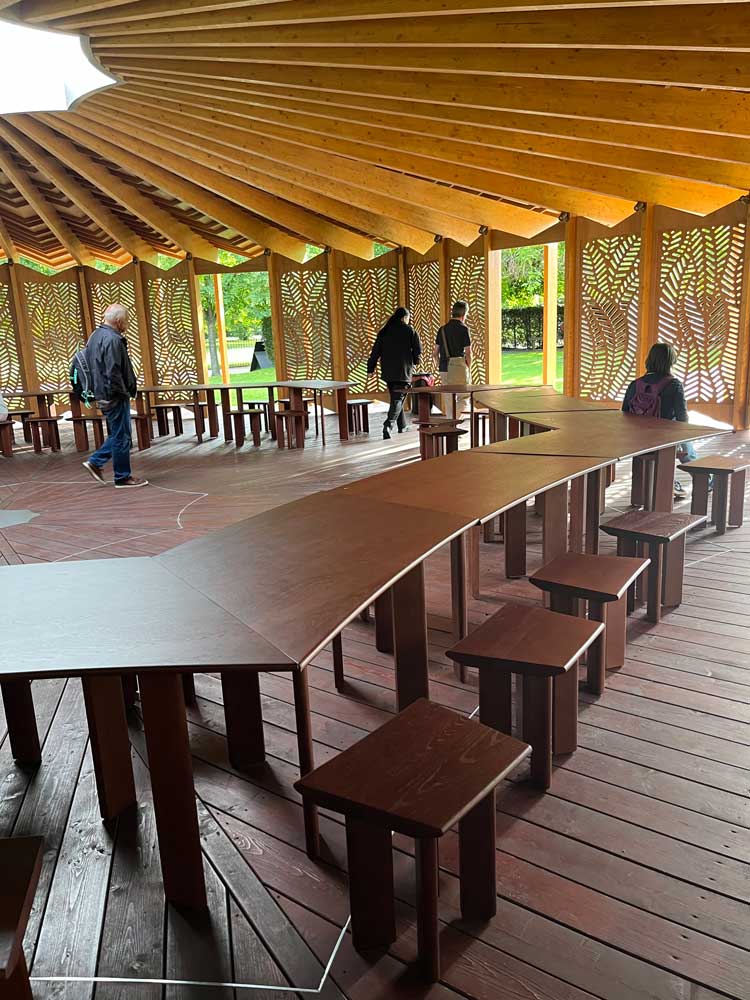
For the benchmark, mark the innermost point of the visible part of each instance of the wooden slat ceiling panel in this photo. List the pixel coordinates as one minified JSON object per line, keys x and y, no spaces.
{"x":245,"y":124}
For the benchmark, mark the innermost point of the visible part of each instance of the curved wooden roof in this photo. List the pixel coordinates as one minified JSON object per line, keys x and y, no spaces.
{"x":247,"y":125}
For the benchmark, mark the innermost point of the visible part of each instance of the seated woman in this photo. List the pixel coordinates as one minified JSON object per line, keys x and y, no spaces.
{"x":659,"y":394}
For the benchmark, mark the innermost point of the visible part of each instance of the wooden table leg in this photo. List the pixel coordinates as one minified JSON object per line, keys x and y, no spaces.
{"x":165,"y":724}
{"x":226,"y":406}
{"x":477,"y":860}
{"x":341,"y":398}
{"x":80,"y":436}
{"x":593,"y":510}
{"x":198,"y":414}
{"x":296,"y":403}
{"x":338,"y":662}
{"x":472,"y":560}
{"x":720,"y":503}
{"x":20,"y":719}
{"x":664,"y":478}
{"x":495,"y":699}
{"x":515,"y":541}
{"x":243,"y":717}
{"x":188,"y":688}
{"x":638,"y":483}
{"x":472,"y":429}
{"x":384,"y":622}
{"x":673,"y":570}
{"x":369,"y":851}
{"x":110,"y":743}
{"x":537,"y":727}
{"x":555,"y":522}
{"x":459,"y":593}
{"x":653,"y":607}
{"x":577,"y":513}
{"x":271,"y":412}
{"x":737,"y":499}
{"x":129,"y":689}
{"x":306,"y":757}
{"x":428,"y":940}
{"x":213,"y":416}
{"x":699,"y":498}
{"x":410,"y":652}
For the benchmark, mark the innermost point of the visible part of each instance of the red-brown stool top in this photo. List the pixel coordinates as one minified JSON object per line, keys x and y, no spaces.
{"x":595,"y":578}
{"x":418,"y":774}
{"x":716,"y":464}
{"x":527,"y":640}
{"x":651,"y":525}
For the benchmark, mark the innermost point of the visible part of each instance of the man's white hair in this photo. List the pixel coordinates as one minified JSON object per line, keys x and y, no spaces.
{"x":116,"y":314}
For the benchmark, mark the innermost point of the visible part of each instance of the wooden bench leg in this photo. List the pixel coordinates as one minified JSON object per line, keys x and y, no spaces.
{"x":280,"y":431}
{"x":477,"y":860}
{"x":338,"y":662}
{"x":410,"y":651}
{"x":98,"y":426}
{"x":737,"y":499}
{"x":6,"y":440}
{"x":80,"y":435}
{"x":110,"y":743}
{"x":614,"y":634}
{"x":565,"y":712}
{"x":306,"y":757}
{"x":54,"y":437}
{"x":673,"y":571}
{"x":243,"y":717}
{"x":596,"y":657}
{"x":169,"y":761}
{"x":177,"y":419}
{"x":239,"y":429}
{"x":20,"y":718}
{"x":654,"y":584}
{"x":537,"y":727}
{"x":495,"y":699}
{"x":162,"y":422}
{"x":428,"y":940}
{"x":720,"y":503}
{"x":255,"y":429}
{"x":36,"y":438}
{"x":699,"y":498}
{"x":369,"y":852}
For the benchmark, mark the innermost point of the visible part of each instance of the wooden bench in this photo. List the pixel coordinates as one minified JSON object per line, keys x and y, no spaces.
{"x":20,"y":867}
{"x":286,"y":404}
{"x":358,"y":415}
{"x":266,"y":412}
{"x":660,"y":536}
{"x":439,"y":440}
{"x":542,"y":646}
{"x":23,"y":416}
{"x":418,"y":775}
{"x":142,"y":423}
{"x":40,"y":428}
{"x":238,"y":420}
{"x":6,"y":438}
{"x":81,"y":434}
{"x":727,"y":506}
{"x":162,"y":411}
{"x":603,"y":582}
{"x":290,"y":428}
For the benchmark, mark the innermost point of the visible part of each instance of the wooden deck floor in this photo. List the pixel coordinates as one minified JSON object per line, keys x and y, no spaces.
{"x":628,"y":880}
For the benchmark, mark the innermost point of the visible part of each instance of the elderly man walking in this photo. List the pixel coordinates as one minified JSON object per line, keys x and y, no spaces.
{"x":114,"y":385}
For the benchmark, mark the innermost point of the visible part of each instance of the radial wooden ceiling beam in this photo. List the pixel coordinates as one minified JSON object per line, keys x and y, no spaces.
{"x":128,"y":196}
{"x":197,"y":13}
{"x":510,"y":170}
{"x":88,"y":203}
{"x":46,"y":212}
{"x":6,"y":243}
{"x":710,"y":111}
{"x":269,"y":141}
{"x":39,"y":11}
{"x":291,"y":178}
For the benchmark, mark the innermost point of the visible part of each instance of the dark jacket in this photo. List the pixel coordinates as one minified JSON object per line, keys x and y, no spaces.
{"x":456,"y":337}
{"x":673,"y":405}
{"x":111,"y":370}
{"x":398,"y":349}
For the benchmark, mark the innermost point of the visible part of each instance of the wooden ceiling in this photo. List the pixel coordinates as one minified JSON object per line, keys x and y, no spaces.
{"x":245,"y":125}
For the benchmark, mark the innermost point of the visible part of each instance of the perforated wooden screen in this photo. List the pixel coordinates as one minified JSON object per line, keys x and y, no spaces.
{"x":106,"y":289}
{"x":610,"y":269}
{"x":468,"y":281}
{"x":370,"y":295}
{"x":56,"y":325}
{"x":423,"y":299}
{"x":10,"y":362}
{"x":305,"y":318}
{"x":171,"y":322}
{"x":700,"y":292}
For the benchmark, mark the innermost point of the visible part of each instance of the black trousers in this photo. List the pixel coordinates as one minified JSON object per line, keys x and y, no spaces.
{"x":397,"y":391}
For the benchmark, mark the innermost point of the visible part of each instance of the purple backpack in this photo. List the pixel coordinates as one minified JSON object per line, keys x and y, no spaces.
{"x":647,"y":399}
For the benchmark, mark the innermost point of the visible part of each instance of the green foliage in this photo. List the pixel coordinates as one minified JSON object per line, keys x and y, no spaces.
{"x":247,"y":299}
{"x":523,"y":277}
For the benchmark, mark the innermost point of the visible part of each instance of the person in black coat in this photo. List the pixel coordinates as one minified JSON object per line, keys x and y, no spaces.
{"x":398,"y":349}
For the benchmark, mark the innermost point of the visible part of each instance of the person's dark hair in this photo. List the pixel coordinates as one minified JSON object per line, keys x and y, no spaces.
{"x":399,"y":315}
{"x":661,"y":359}
{"x":460,"y":309}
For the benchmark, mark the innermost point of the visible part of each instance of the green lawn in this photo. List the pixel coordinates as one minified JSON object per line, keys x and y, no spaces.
{"x":243,"y":378}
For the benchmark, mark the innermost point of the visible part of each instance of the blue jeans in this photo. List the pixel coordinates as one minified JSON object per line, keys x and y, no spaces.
{"x":117,"y":445}
{"x":689,"y":452}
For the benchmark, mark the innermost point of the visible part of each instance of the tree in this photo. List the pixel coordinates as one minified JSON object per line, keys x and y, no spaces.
{"x":247,"y":304}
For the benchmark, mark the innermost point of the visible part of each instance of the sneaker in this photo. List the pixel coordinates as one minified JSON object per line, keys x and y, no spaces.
{"x":386,"y":433}
{"x":131,"y":483}
{"x":95,"y":472}
{"x":679,"y":491}
{"x":402,"y":430}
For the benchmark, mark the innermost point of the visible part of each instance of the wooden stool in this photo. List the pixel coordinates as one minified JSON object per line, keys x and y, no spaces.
{"x":39,"y":425}
{"x":142,"y":430}
{"x":238,"y":418}
{"x":6,"y":438}
{"x":358,"y":416}
{"x":480,"y":428}
{"x":603,"y":581}
{"x":162,"y":418}
{"x":440,"y":440}
{"x":290,"y":423}
{"x":285,"y":404}
{"x":662,"y":535}
{"x":540,"y":645}
{"x":23,"y":415}
{"x":265,"y":409}
{"x":418,"y":775}
{"x":20,"y":864}
{"x":727,"y":505}
{"x":81,"y":434}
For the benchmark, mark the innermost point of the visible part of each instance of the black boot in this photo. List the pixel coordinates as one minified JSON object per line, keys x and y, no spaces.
{"x":386,"y":431}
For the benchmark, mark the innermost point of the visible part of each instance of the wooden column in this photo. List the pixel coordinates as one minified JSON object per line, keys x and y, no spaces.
{"x":196,"y":315}
{"x":741,"y":408}
{"x":549,"y":333}
{"x":221,"y":327}
{"x":445,"y":284}
{"x":277,"y":315}
{"x":336,"y":316}
{"x":493,"y":311}
{"x":24,"y":340}
{"x":87,"y":310}
{"x":144,"y":324}
{"x":572,"y":308}
{"x":648,"y":295}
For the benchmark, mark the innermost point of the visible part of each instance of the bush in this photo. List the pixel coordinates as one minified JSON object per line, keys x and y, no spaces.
{"x":523,"y":328}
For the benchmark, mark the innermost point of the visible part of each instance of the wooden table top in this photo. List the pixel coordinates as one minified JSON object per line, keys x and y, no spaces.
{"x":457,"y":387}
{"x":321,"y":384}
{"x":315,"y":383}
{"x":469,"y":483}
{"x":612,"y":434}
{"x":419,"y":773}
{"x":553,"y":403}
{"x":301,"y":571}
{"x":70,"y":618}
